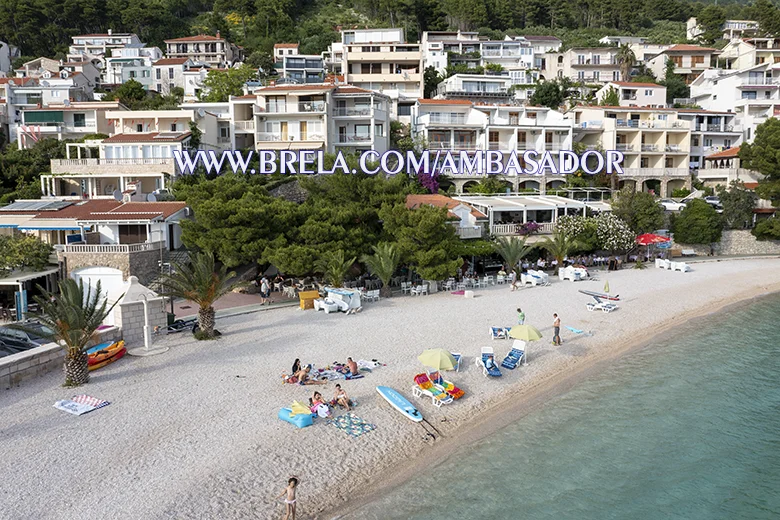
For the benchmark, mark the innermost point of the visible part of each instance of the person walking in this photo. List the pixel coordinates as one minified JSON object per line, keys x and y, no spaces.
{"x":512,"y":280}
{"x":556,"y":330}
{"x":520,"y":316}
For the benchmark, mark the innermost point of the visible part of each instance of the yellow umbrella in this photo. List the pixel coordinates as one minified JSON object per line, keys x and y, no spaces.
{"x":525,"y":333}
{"x":606,"y":286}
{"x":437,"y":358}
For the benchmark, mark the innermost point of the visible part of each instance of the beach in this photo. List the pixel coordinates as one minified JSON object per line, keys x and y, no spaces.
{"x":193,"y":433}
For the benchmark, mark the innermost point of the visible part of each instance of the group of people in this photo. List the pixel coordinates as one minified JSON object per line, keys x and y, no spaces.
{"x":319,"y":406}
{"x":302,"y":375}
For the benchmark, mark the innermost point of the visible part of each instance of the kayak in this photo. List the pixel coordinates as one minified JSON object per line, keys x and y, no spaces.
{"x":603,"y":296}
{"x":110,"y":360}
{"x":102,"y":355}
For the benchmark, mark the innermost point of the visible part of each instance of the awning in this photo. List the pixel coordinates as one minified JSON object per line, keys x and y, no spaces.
{"x":17,"y":277}
{"x":50,"y":224}
{"x":306,"y":145}
{"x":46,"y":116}
{"x":13,"y":221}
{"x":274,"y":145}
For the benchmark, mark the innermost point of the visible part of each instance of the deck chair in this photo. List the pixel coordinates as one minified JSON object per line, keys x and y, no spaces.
{"x":515,"y":355}
{"x":499,"y":332}
{"x":458,"y":358}
{"x":424,"y":387}
{"x":452,"y":390}
{"x":481,"y":361}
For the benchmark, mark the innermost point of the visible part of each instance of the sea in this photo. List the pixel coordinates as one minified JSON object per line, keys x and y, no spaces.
{"x":687,"y":427}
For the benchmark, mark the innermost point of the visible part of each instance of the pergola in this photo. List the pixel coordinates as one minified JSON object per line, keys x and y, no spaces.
{"x":492,"y":204}
{"x":18,"y":278}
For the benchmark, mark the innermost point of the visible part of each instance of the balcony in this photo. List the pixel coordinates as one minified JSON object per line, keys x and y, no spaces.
{"x":352,"y":112}
{"x":470,"y":232}
{"x":448,"y":119}
{"x":628,"y":97}
{"x":293,"y":108}
{"x":114,"y":167}
{"x":446,"y":145}
{"x":674,"y":148}
{"x":114,"y":248}
{"x":657,"y":172}
{"x":623,"y":147}
{"x":650,"y":148}
{"x":278,"y":136}
{"x":383,"y":57}
{"x":245,"y":126}
{"x":555,"y":147}
{"x":385,"y":78}
{"x":760,"y":82}
{"x":354,"y":140}
{"x":594,"y":63}
{"x":545,"y":228}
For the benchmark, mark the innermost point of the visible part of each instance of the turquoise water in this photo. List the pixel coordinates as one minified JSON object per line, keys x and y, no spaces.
{"x":687,"y":428}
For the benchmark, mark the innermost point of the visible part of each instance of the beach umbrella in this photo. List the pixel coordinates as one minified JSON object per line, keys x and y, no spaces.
{"x":606,"y":287}
{"x":525,"y":333}
{"x":437,"y":358}
{"x":650,"y":238}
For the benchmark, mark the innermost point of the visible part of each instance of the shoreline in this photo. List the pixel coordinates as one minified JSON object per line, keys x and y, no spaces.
{"x":509,"y":410}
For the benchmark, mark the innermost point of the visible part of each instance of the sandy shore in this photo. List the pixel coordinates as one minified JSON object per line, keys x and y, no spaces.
{"x":193,"y":433}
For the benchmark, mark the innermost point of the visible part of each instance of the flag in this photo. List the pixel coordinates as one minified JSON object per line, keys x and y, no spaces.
{"x":606,"y":286}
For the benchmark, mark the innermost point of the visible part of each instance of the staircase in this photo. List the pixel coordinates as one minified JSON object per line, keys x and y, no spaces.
{"x":180,"y":257}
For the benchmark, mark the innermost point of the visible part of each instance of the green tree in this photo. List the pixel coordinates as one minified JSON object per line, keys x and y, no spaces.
{"x":762,"y":156}
{"x":201,"y":283}
{"x":23,"y":251}
{"x":638,"y":209}
{"x":383,"y":264}
{"x":738,"y":204}
{"x":614,"y":234}
{"x":582,"y":229}
{"x":710,"y":20}
{"x":512,"y":250}
{"x":262,"y":61}
{"x":219,"y":85}
{"x":675,"y":84}
{"x":610,"y":98}
{"x":71,"y":319}
{"x":20,"y":170}
{"x":196,"y":135}
{"x":625,"y":59}
{"x":698,"y":223}
{"x":551,"y":93}
{"x":488,"y":185}
{"x":432,"y":78}
{"x":767,"y":229}
{"x":425,"y":239}
{"x":129,"y":93}
{"x":559,"y":246}
{"x":335,"y":266}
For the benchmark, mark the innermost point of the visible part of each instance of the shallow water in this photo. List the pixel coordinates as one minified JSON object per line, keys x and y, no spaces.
{"x":686,"y":428}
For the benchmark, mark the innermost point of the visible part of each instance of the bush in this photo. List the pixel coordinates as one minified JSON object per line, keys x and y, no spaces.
{"x":681,"y":193}
{"x":768,"y":229}
{"x":698,"y":223}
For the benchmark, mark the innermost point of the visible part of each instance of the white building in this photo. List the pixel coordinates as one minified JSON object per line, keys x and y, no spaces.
{"x":622,"y":40}
{"x":711,"y":132}
{"x":635,"y":94}
{"x":589,"y":65}
{"x":73,"y":120}
{"x":131,"y":63}
{"x":689,"y":61}
{"x":194,"y":75}
{"x":215,"y":51}
{"x":382,"y":61}
{"x":284,"y":49}
{"x":168,"y":74}
{"x":723,"y":167}
{"x":752,"y":94}
{"x":302,"y":68}
{"x":476,"y":87}
{"x":732,"y":29}
{"x":746,"y":53}
{"x":333,"y":58}
{"x":88,"y":46}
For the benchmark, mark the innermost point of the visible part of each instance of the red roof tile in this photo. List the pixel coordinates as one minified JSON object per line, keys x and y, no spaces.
{"x":285,"y":46}
{"x":106,"y":209}
{"x":751,"y":185}
{"x":630,"y":84}
{"x":690,"y":48}
{"x":147,"y":137}
{"x":17,"y":81}
{"x":725,"y":154}
{"x":463,"y":102}
{"x":440,"y":201}
{"x":170,"y":61}
{"x":288,"y":88}
{"x":198,"y":38}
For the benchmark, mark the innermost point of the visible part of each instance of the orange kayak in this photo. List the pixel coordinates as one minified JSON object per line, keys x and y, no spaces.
{"x":101,"y":355}
{"x":110,"y":360}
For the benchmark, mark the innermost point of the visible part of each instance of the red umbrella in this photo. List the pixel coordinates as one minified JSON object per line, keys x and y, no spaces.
{"x":650,"y":238}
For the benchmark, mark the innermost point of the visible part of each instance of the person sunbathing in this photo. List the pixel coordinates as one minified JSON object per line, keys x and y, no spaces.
{"x":490,"y":363}
{"x":305,"y":379}
{"x":353,"y":367}
{"x":341,"y":398}
{"x":318,"y":405}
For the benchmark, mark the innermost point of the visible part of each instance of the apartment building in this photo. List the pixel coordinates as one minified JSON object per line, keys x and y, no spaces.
{"x":135,"y":161}
{"x":476,"y":87}
{"x":382,"y":61}
{"x":193,"y":76}
{"x":70,"y":120}
{"x":752,"y":94}
{"x":215,"y":51}
{"x":635,"y":94}
{"x":689,"y":61}
{"x":168,"y":74}
{"x":318,"y":116}
{"x":35,"y":68}
{"x":302,"y":68}
{"x":655,"y":142}
{"x":622,"y":40}
{"x":590,"y":65}
{"x":131,"y":63}
{"x":87,"y":46}
{"x":333,"y":58}
{"x":743,"y":54}
{"x":284,"y":49}
{"x":711,"y":132}
{"x":645,"y":51}
{"x":732,"y":29}
{"x":723,"y":167}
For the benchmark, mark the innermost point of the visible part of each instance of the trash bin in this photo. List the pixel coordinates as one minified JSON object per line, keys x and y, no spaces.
{"x":171,"y":318}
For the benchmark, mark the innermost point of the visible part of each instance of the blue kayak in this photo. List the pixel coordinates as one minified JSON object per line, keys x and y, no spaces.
{"x":102,"y":346}
{"x":400,"y":403}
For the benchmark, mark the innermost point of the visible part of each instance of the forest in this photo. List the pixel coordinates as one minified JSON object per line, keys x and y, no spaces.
{"x":44,"y":27}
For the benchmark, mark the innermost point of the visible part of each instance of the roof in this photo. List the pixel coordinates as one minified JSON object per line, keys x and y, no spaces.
{"x":101,"y":210}
{"x":463,"y":102}
{"x":352,"y":90}
{"x":285,"y":46}
{"x":630,"y":84}
{"x":440,"y":201}
{"x":750,"y":185}
{"x":198,"y":38}
{"x":288,"y":88}
{"x":102,"y":35}
{"x":17,"y":81}
{"x":173,"y":137}
{"x":725,"y":154}
{"x":689,"y":48}
{"x":170,"y":61}
{"x":541,"y":38}
{"x":520,"y":202}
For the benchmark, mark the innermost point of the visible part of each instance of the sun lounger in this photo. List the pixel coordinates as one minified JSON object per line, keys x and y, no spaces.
{"x":602,"y":306}
{"x":452,"y":390}
{"x":499,"y":332}
{"x":424,"y":387}
{"x":515,"y":355}
{"x":680,"y":266}
{"x":482,"y":360}
{"x":458,"y":357}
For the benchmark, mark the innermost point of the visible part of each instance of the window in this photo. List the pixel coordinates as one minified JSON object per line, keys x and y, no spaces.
{"x":55,"y":93}
{"x":159,"y":87}
{"x":144,"y":73}
{"x":158,"y":73}
{"x":581,"y":75}
{"x":362,"y":132}
{"x":644,"y":162}
{"x":224,"y":132}
{"x":596,"y":59}
{"x":697,"y":60}
{"x":615,"y":75}
{"x":132,"y":74}
{"x":174,"y":127}
{"x":379,"y":130}
{"x":648,"y":92}
{"x":695,"y":140}
{"x":170,"y":73}
{"x":79,"y":120}
{"x":596,"y":75}
{"x":749,"y":94}
{"x":677,"y":60}
{"x":727,"y":143}
{"x":580,"y":59}
{"x":139,"y":127}
{"x":669,"y":162}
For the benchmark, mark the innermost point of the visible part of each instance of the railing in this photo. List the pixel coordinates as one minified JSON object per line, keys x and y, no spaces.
{"x":760,"y":81}
{"x":554,"y":147}
{"x":657,"y":172}
{"x":245,"y":125}
{"x":494,"y":145}
{"x":649,"y":148}
{"x":450,"y":119}
{"x":514,"y":229}
{"x":118,"y":162}
{"x":346,"y":139}
{"x":673,"y":148}
{"x":292,"y":108}
{"x":346,"y":112}
{"x":114,"y":248}
{"x":624,"y":147}
{"x":627,"y":123}
{"x":270,"y":136}
{"x":275,"y":136}
{"x":629,"y":98}
{"x":311,"y":106}
{"x":590,"y":124}
{"x":726,"y":173}
{"x":223,"y":139}
{"x":470,"y":232}
{"x":453,"y":146}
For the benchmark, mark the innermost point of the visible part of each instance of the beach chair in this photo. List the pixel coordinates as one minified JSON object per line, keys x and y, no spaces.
{"x":500,"y":279}
{"x":499,"y":332}
{"x":659,"y":263}
{"x":452,"y":390}
{"x":680,"y":266}
{"x":424,"y":387}
{"x":406,"y":287}
{"x":482,"y":359}
{"x":458,"y":357}
{"x":602,"y":306}
{"x":515,"y":355}
{"x":542,"y":276}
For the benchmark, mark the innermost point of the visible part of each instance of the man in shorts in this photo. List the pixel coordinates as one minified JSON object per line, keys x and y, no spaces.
{"x":557,"y":330}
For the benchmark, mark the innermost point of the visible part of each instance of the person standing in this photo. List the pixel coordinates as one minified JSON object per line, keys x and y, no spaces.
{"x":556,"y":330}
{"x":512,"y":279}
{"x":265,"y":291}
{"x":520,"y":316}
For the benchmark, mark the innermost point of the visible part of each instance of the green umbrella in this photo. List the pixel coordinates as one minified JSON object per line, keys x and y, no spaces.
{"x":525,"y":333}
{"x":437,"y":358}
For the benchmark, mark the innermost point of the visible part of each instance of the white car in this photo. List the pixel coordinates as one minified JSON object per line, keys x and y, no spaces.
{"x":671,"y":205}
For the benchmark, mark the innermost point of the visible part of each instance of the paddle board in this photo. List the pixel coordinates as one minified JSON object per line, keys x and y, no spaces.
{"x":400,"y":403}
{"x":102,"y":355}
{"x":109,"y":360}
{"x":101,"y":346}
{"x":603,"y":296}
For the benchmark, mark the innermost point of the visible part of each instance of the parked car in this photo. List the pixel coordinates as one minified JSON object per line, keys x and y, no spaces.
{"x":712,"y":199}
{"x":7,"y":333}
{"x":14,"y":345}
{"x":671,"y":205}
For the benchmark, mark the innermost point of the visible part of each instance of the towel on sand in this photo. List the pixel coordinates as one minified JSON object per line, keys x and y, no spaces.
{"x":351,"y":424}
{"x":80,"y":404}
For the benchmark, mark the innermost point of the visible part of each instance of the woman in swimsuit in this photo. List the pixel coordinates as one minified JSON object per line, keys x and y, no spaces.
{"x":296,"y":366}
{"x":342,"y":398}
{"x":292,"y":485}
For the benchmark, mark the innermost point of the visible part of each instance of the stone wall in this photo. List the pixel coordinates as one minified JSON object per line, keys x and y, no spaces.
{"x":129,"y":316}
{"x":143,"y":264}
{"x":146,"y":265}
{"x":737,"y":242}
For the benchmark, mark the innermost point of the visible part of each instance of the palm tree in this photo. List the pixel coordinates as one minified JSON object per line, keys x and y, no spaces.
{"x":559,"y":246}
{"x":335,"y":267}
{"x":71,"y":319}
{"x":383,"y":264}
{"x":512,"y":250}
{"x":626,"y":58}
{"x":201,"y":283}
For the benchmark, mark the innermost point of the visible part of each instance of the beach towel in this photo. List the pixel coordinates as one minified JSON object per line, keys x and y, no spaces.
{"x":80,"y":404}
{"x":578,"y":331}
{"x":368,"y":365}
{"x":458,"y":293}
{"x":351,"y":424}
